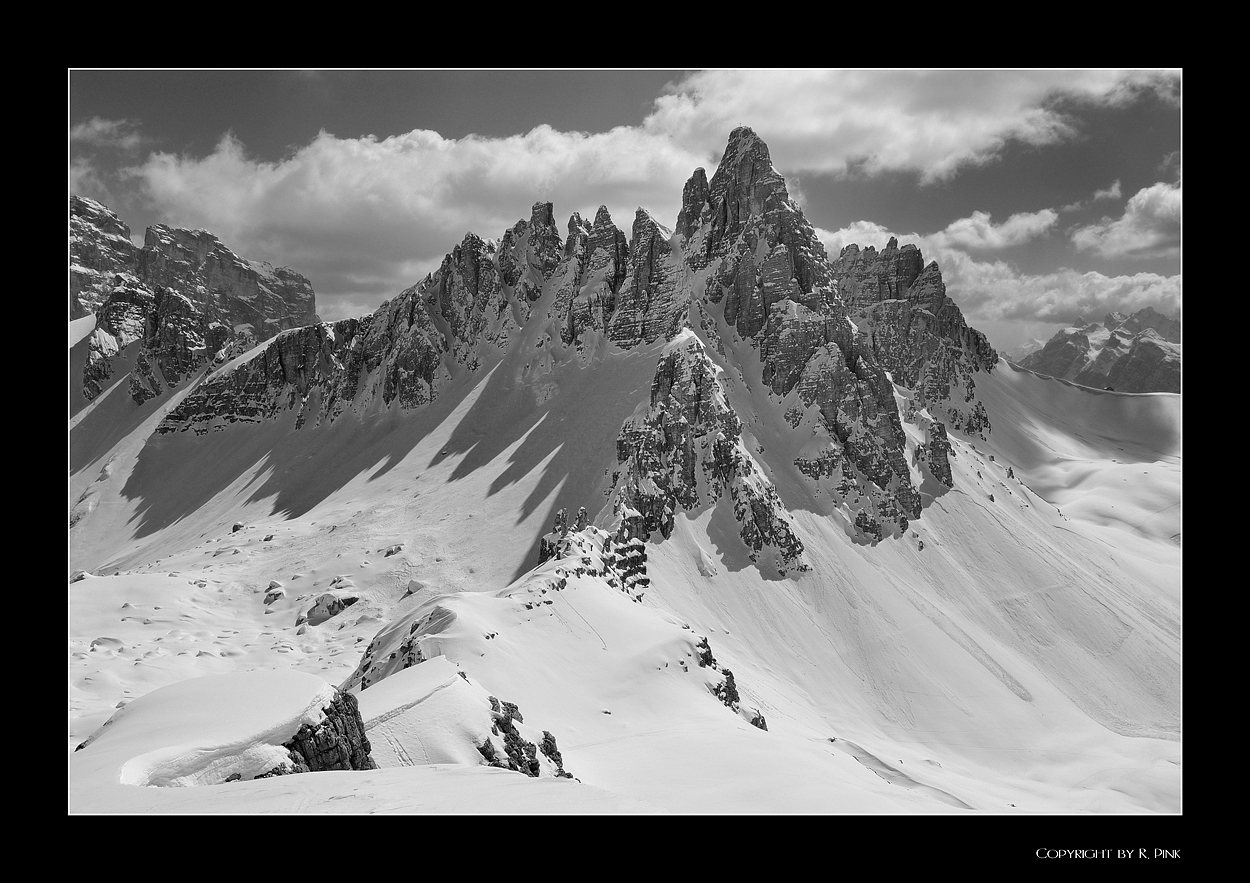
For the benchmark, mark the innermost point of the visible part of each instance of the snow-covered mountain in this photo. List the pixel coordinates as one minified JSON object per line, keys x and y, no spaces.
{"x":1136,"y":353}
{"x":697,"y":521}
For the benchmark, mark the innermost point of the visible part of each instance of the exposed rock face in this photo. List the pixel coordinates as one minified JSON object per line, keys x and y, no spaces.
{"x":684,"y":449}
{"x":651,"y":302}
{"x":471,"y":300}
{"x":528,"y":255}
{"x":765,"y":264}
{"x":727,"y":690}
{"x":593,"y":267}
{"x":519,"y":755}
{"x":768,"y":251}
{"x":916,"y":332}
{"x":183,"y":297}
{"x":313,"y":369}
{"x":120,"y":321}
{"x":99,"y":249}
{"x":1137,"y":353}
{"x":225,"y":287}
{"x":337,"y":743}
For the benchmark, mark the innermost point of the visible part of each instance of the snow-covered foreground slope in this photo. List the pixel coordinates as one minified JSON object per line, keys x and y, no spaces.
{"x":1026,"y":658}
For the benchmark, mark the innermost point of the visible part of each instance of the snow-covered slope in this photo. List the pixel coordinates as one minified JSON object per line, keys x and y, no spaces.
{"x":846,"y":606}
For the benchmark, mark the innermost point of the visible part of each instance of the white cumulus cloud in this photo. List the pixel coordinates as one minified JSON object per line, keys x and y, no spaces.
{"x":1149,"y":228}
{"x":99,"y":132}
{"x":979,"y":232}
{"x":931,"y":122}
{"x":368,"y":216}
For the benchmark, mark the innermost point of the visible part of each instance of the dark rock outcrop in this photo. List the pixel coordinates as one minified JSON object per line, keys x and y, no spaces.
{"x":519,"y":755}
{"x":337,"y":743}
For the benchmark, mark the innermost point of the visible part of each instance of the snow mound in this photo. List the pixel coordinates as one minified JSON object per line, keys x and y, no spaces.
{"x":433,"y":714}
{"x":203,"y":731}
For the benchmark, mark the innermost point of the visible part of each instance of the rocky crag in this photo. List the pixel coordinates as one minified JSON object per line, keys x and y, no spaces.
{"x":99,"y":249}
{"x":683,"y":450}
{"x":1136,"y":353}
{"x":337,"y":743}
{"x":741,"y":278}
{"x":182,"y":300}
{"x":916,"y":332}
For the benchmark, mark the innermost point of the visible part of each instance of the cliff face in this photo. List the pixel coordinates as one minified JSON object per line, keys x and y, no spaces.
{"x":1136,"y":353}
{"x":181,"y":298}
{"x":99,"y":249}
{"x":916,"y":332}
{"x":337,"y":743}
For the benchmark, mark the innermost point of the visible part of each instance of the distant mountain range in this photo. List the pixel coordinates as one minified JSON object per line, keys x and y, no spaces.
{"x":1136,"y":353}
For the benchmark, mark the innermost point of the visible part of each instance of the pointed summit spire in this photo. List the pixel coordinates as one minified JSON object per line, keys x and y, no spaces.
{"x":745,"y":183}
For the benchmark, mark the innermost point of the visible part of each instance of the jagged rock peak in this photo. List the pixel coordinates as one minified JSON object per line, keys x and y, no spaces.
{"x":542,"y":215}
{"x":683,"y":449}
{"x":745,"y":183}
{"x":651,"y":301}
{"x":694,"y":204}
{"x":529,"y":253}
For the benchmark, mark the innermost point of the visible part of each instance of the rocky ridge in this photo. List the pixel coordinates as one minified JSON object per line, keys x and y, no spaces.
{"x":743,"y":266}
{"x":1136,"y":353}
{"x":683,"y":450}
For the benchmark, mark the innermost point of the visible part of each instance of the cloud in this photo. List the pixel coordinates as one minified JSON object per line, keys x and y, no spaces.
{"x":996,"y":292}
{"x":1171,"y":165}
{"x":85,"y":180}
{"x":978,"y":232}
{"x":1149,"y":228}
{"x":98,"y":133}
{"x":362,"y":215}
{"x":1112,"y":192}
{"x":930,"y":122}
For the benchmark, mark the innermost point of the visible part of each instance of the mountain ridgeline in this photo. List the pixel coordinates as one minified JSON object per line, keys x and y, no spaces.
{"x":1140,"y":352}
{"x":741,"y":295}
